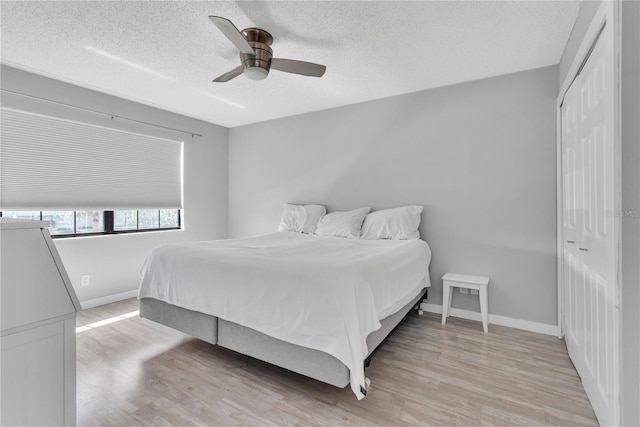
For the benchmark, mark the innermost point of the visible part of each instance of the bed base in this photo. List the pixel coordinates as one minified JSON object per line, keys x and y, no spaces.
{"x":416,"y":301}
{"x":312,"y":363}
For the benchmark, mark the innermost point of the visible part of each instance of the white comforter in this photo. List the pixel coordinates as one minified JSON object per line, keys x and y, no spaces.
{"x":324,"y":293}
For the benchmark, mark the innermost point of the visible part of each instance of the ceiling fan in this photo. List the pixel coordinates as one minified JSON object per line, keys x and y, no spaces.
{"x":256,"y":55}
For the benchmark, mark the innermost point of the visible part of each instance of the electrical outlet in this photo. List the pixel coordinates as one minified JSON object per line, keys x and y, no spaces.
{"x":85,"y":280}
{"x":474,"y":292}
{"x":464,"y":290}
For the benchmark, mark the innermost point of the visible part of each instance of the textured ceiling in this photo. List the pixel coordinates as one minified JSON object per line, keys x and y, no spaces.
{"x":165,"y":53}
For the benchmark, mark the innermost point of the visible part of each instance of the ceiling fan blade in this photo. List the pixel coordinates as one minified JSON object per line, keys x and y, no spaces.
{"x":298,"y":67}
{"x":233,"y":34}
{"x":229,"y":75}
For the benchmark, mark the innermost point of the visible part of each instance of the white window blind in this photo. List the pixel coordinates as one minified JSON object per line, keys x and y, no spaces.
{"x":49,"y":163}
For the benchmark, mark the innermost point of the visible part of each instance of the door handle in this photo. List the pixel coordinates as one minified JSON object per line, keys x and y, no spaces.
{"x":583,"y":249}
{"x":571,"y":241}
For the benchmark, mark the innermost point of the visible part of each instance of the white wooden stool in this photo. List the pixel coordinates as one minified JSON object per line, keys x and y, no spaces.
{"x":480,"y":283}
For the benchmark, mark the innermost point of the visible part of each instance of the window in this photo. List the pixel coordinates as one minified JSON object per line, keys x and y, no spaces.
{"x":148,"y":219}
{"x":125,"y":220}
{"x":60,"y":222}
{"x":89,"y":221}
{"x":83,"y":223}
{"x":50,"y":164}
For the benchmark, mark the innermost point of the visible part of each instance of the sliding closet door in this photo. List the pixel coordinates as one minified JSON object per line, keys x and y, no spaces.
{"x":590,"y":265}
{"x":572,"y":200}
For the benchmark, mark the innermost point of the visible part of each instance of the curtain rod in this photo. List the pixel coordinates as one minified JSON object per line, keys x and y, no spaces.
{"x":113,"y":116}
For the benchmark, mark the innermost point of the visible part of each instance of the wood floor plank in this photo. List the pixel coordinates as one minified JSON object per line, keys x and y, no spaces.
{"x":135,"y":372}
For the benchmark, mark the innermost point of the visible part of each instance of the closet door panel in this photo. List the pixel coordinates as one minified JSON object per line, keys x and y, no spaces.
{"x":571,"y":192}
{"x":589,"y":261}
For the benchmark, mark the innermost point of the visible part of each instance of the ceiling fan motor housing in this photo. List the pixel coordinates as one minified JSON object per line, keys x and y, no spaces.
{"x":257,"y":66}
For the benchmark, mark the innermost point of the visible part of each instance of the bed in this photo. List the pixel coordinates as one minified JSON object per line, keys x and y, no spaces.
{"x":316,"y":305}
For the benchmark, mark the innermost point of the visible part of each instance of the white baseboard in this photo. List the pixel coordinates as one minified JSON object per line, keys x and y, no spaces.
{"x":108,"y":299}
{"x":526,"y":325}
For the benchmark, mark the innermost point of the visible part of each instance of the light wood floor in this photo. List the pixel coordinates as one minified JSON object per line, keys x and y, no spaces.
{"x":136,"y":372}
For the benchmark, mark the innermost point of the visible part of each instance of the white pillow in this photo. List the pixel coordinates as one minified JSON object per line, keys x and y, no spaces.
{"x":342,"y":224}
{"x":301,"y":218}
{"x":399,"y":223}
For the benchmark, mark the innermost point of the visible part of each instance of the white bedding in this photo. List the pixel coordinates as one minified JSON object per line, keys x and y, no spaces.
{"x":324,"y":293}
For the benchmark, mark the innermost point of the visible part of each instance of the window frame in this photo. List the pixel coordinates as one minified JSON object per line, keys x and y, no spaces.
{"x":109,"y":225}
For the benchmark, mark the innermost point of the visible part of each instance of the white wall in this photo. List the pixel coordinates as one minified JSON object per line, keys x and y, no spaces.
{"x":479,"y":156}
{"x":630,"y":254}
{"x":114,"y":262}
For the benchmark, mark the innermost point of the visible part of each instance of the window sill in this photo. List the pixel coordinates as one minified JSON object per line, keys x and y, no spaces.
{"x":114,"y":233}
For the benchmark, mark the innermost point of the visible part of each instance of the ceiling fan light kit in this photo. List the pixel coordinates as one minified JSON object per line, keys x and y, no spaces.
{"x":256,"y":56}
{"x":256,"y":66}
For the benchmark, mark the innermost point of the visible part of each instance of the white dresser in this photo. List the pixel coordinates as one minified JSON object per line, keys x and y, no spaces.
{"x":38,"y":322}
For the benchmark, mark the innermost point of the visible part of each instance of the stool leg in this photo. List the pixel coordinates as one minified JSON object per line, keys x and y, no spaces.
{"x":484,"y":309}
{"x":451,"y":289}
{"x":446,"y":302}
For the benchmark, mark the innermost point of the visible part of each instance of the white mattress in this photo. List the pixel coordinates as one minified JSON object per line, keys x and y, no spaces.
{"x":325,"y":293}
